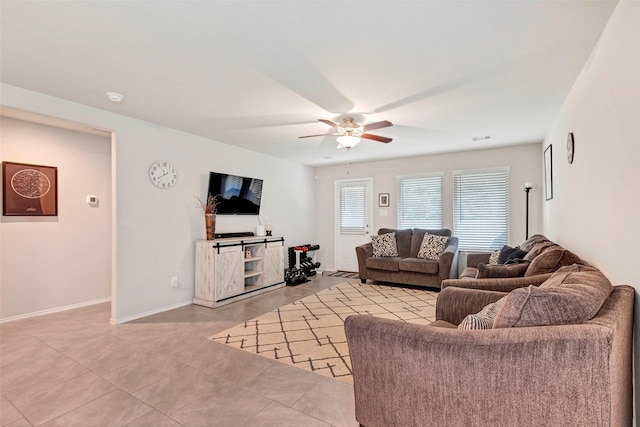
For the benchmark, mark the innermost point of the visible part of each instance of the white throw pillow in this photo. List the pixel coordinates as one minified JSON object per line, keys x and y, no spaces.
{"x":484,"y":318}
{"x":384,"y":245}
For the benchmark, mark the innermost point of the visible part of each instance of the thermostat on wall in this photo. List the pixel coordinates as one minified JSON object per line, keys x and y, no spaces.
{"x":92,"y":200}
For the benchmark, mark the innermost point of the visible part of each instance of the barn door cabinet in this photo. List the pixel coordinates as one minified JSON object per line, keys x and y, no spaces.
{"x":234,"y":268}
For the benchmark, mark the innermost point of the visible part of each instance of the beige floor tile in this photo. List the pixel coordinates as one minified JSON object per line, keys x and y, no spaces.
{"x":227,"y":406}
{"x":331,"y":401}
{"x":27,"y":376}
{"x":20,"y":423}
{"x":240,"y":367}
{"x":114,"y":409}
{"x":113,"y":355}
{"x":154,"y":419}
{"x":284,"y":384}
{"x":278,"y":415}
{"x":8,"y":412}
{"x":52,"y":402}
{"x":174,"y":392}
{"x":143,"y":373}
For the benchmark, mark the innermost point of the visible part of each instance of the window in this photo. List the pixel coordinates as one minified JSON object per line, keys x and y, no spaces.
{"x":420,"y":201}
{"x":353,"y":209}
{"x":481,"y":208}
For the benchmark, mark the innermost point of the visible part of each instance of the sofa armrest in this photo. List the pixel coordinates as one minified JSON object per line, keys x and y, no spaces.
{"x":502,"y":285}
{"x":413,"y":375}
{"x":474,"y":259}
{"x":362,"y":253}
{"x":453,"y":304}
{"x":448,"y":261}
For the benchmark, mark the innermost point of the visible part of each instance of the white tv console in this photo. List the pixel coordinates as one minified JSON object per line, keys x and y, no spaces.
{"x":230,"y":269}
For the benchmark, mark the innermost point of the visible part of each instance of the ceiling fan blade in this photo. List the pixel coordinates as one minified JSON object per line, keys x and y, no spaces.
{"x":320,"y":134}
{"x":329,"y":122}
{"x":377,"y":125}
{"x":376,"y":137}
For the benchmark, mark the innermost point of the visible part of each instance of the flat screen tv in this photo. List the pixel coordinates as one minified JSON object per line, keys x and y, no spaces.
{"x":237,"y":195}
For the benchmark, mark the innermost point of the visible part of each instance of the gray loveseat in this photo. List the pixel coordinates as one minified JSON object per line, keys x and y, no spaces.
{"x":407,"y":268}
{"x":557,"y":374}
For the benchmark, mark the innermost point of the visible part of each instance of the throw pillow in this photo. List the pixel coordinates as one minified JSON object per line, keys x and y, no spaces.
{"x":384,"y":245}
{"x":493,"y":258}
{"x":484,"y":318}
{"x":573,"y":294}
{"x":551,"y":260}
{"x":432,"y":246}
{"x":486,"y":271}
{"x":508,"y":253}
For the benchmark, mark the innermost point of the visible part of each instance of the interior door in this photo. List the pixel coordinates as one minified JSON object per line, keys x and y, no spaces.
{"x":353,"y":221}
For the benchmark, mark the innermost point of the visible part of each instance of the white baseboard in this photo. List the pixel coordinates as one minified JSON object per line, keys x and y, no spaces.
{"x":151,"y":312}
{"x":55,"y":310}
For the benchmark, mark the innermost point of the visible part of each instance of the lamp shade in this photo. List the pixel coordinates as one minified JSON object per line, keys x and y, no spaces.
{"x":348,"y":141}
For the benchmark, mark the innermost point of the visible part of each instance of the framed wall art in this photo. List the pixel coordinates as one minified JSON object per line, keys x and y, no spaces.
{"x":383,"y":200}
{"x":29,"y":190}
{"x":548,"y":173}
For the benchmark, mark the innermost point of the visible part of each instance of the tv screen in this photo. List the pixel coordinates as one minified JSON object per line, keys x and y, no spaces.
{"x":238,"y":195}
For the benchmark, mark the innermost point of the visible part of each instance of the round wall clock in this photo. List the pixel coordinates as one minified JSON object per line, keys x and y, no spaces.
{"x":570,"y":147}
{"x":163,"y":174}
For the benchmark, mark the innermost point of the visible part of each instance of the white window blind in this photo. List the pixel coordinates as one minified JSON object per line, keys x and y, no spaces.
{"x":481,"y":208}
{"x":353,"y":211}
{"x":420,"y":201}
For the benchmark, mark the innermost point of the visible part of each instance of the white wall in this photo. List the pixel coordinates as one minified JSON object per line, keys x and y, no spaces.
{"x":154,"y":230}
{"x":524,"y":160}
{"x":596,"y":206}
{"x":50,"y":262}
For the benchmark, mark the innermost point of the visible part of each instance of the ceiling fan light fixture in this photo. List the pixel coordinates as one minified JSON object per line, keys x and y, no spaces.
{"x":348,"y":141}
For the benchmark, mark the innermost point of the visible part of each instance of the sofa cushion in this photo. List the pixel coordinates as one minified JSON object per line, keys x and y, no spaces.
{"x":539,"y":248}
{"x":384,"y":245}
{"x":551,"y":260}
{"x":508,"y":253}
{"x":573,"y":294}
{"x":501,"y":271}
{"x":403,"y":240}
{"x":418,"y":265}
{"x":418,"y":237}
{"x":484,"y":318}
{"x":468,"y":273}
{"x":384,"y":263}
{"x":531,"y":241}
{"x":432,"y":246}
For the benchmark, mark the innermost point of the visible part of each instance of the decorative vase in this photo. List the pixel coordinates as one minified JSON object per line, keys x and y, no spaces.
{"x":210,"y":224}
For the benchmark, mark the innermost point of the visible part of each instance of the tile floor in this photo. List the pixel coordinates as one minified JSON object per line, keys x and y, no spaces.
{"x":74,"y":368}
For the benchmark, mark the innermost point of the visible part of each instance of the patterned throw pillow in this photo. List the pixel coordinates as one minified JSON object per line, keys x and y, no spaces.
{"x":484,"y":318}
{"x":384,"y":245}
{"x":432,"y":246}
{"x":493,"y":258}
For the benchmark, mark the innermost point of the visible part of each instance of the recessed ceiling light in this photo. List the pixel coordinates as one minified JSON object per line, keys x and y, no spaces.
{"x":115,"y":97}
{"x":481,"y":138}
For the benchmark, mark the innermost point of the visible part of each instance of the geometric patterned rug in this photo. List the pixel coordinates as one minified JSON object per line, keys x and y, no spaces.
{"x":343,"y":274}
{"x":309,"y":333}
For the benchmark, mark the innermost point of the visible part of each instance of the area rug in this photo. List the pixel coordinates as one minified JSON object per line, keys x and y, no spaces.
{"x":309,"y":333}
{"x":344,"y":274}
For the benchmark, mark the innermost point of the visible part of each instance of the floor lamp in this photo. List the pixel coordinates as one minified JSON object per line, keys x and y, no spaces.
{"x":527,"y":188}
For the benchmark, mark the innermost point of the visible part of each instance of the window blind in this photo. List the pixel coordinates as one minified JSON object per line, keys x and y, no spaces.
{"x":419,"y":201}
{"x":481,"y":208}
{"x":353,"y":211}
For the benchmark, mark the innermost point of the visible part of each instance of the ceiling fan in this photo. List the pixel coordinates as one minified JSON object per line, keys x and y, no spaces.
{"x":350,"y":132}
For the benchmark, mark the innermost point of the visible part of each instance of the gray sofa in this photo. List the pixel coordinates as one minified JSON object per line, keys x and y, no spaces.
{"x":407,"y":268}
{"x":557,"y":374}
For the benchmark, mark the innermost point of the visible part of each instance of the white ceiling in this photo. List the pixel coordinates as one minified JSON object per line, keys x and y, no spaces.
{"x":258,"y":74}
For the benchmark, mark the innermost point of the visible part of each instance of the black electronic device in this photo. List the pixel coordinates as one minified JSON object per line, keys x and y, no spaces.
{"x":236,"y":195}
{"x":238,"y":234}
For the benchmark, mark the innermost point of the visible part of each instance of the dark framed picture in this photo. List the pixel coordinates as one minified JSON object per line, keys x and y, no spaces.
{"x":29,"y":190}
{"x":383,"y":200}
{"x":548,"y":173}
